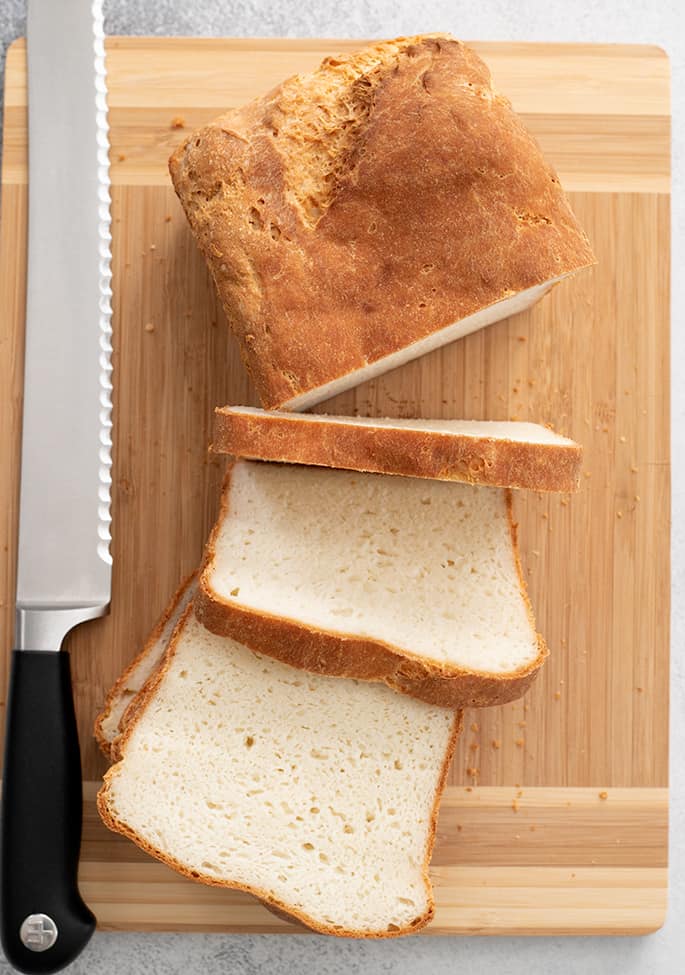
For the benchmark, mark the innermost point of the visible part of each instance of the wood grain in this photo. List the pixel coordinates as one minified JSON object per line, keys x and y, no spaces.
{"x":602,"y":115}
{"x":591,"y":359}
{"x":503,"y":862}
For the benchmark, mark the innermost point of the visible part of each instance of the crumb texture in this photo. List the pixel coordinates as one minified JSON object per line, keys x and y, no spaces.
{"x":316,"y":792}
{"x":424,"y":566}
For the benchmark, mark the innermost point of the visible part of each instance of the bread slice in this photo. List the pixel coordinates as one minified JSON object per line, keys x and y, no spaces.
{"x":506,"y":454}
{"x":416,"y":583}
{"x":318,"y":795}
{"x":111,"y":720}
{"x":369,"y":212}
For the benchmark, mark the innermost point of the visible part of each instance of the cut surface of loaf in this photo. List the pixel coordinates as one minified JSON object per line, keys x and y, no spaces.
{"x":109,"y":723}
{"x":318,"y":795}
{"x":414,"y":582}
{"x":364,"y":214}
{"x":502,"y":453}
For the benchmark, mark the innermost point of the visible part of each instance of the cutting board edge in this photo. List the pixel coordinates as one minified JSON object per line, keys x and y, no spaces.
{"x":437,"y":931}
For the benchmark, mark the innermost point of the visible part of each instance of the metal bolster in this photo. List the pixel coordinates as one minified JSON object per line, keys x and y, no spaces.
{"x":45,"y":627}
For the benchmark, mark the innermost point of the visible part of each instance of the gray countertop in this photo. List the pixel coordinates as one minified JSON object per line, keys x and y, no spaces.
{"x":635,"y":21}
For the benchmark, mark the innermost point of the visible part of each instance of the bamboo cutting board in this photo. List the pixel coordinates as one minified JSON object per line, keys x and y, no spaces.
{"x":555,"y":816}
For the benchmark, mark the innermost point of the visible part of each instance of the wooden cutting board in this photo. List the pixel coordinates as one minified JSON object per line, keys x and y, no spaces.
{"x":555,"y":816}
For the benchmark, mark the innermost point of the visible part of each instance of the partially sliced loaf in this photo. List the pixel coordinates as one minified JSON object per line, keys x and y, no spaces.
{"x":109,"y":723}
{"x":318,"y":795}
{"x":413,"y":582}
{"x":368,"y":212}
{"x":506,"y":454}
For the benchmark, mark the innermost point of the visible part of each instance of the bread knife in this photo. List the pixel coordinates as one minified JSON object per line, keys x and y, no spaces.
{"x":64,"y":566}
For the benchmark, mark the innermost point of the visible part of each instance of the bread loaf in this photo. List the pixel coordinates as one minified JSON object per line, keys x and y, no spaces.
{"x":361,"y":215}
{"x":505,"y":454}
{"x":319,"y":796}
{"x":413,"y":582}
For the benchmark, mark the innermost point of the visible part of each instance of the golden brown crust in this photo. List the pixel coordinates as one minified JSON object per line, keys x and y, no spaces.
{"x":338,"y":655}
{"x":278,"y":907}
{"x":441,"y":205}
{"x":386,"y":450}
{"x":120,"y":685}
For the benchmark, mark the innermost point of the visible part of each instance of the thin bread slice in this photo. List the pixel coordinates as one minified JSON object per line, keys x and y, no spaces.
{"x":319,"y":796}
{"x":413,"y":582}
{"x":498,"y":453}
{"x":109,"y":722}
{"x":371,"y":211}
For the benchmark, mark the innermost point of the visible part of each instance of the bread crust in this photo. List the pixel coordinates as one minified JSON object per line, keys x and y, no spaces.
{"x":339,"y":655}
{"x":387,"y":450}
{"x":441,"y":206}
{"x":119,"y":687}
{"x":280,"y":908}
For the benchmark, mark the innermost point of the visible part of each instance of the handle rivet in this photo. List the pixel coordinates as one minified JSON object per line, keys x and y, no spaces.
{"x":38,"y":932}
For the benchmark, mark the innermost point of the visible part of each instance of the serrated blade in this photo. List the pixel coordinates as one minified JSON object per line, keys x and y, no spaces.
{"x":64,"y":562}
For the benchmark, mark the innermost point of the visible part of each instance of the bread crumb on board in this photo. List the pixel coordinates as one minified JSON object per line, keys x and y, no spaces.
{"x":496,"y":743}
{"x":178,"y":122}
{"x":603,"y":795}
{"x":149,"y":327}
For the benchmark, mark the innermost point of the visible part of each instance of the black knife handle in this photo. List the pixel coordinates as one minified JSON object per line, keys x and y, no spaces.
{"x":41,"y":814}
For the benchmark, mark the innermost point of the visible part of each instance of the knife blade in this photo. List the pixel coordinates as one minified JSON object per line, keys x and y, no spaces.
{"x":64,"y":565}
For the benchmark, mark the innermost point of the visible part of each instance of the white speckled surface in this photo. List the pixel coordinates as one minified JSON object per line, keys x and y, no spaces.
{"x":635,"y":21}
